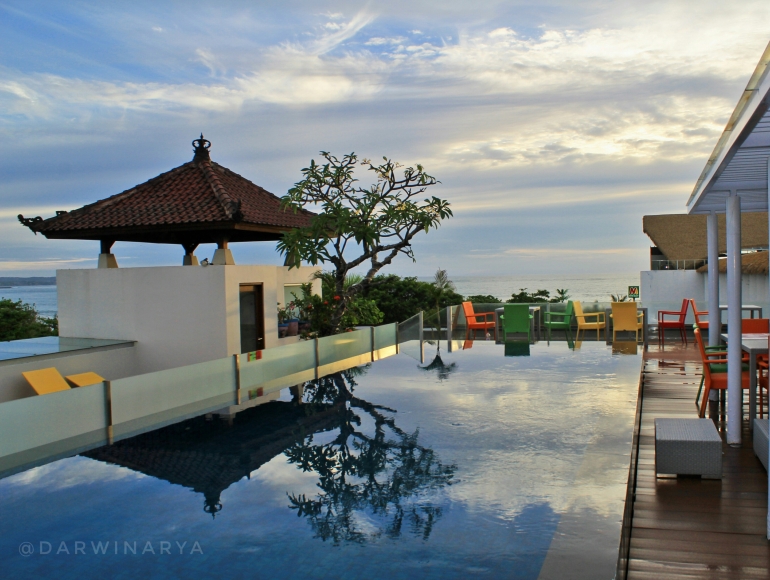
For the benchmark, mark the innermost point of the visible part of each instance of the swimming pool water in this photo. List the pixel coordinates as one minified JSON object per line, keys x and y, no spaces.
{"x":472,"y":464}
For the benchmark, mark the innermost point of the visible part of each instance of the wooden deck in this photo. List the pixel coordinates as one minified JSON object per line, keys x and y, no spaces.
{"x":688,"y":527}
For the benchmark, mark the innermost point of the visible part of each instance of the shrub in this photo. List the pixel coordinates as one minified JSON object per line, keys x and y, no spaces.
{"x":401,"y":298}
{"x":483,"y":299}
{"x":19,"y":321}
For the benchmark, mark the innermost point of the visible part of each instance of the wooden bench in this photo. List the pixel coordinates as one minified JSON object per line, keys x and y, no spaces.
{"x":688,"y":447}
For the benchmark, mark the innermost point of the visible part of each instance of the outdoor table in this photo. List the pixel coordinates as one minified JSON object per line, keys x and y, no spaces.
{"x":752,"y":308}
{"x":534,"y":310}
{"x":608,"y":311}
{"x":753,"y":344}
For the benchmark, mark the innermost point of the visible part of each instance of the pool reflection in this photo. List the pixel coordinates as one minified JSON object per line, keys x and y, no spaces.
{"x":371,"y":472}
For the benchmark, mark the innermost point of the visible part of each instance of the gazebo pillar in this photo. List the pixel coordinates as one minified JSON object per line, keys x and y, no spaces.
{"x":734,"y":393}
{"x":107,"y":259}
{"x":189,"y":258}
{"x":223,"y":256}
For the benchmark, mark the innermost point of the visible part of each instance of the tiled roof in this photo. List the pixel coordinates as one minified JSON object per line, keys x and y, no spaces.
{"x":198,"y":194}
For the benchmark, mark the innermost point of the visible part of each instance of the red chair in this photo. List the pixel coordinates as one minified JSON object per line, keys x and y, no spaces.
{"x":702,"y":324}
{"x":663,"y":324}
{"x":483,"y":321}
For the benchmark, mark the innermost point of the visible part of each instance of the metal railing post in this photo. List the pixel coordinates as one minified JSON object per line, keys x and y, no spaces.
{"x":237,"y":362}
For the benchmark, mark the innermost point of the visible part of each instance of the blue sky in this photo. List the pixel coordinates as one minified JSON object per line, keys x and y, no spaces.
{"x":553,"y":127}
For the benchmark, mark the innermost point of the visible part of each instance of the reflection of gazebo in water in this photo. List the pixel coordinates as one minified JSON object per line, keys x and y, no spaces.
{"x":196,"y":203}
{"x":209,"y":456}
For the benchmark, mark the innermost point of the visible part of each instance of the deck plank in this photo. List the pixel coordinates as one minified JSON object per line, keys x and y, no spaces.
{"x":686,"y":528}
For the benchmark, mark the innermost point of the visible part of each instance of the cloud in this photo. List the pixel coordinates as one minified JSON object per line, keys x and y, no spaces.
{"x":13,"y":265}
{"x":579,"y":109}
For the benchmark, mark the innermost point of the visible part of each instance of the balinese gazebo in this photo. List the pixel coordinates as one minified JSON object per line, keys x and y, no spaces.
{"x":196,"y":203}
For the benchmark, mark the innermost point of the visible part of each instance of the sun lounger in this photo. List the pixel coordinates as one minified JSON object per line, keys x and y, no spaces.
{"x":45,"y":381}
{"x":49,"y":380}
{"x":84,"y":379}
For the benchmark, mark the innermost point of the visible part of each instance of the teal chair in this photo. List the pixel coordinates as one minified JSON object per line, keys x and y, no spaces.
{"x":516,"y":318}
{"x":559,"y":320}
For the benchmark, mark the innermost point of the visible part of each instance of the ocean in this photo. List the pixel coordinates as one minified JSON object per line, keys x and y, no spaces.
{"x":584,"y":287}
{"x":43,"y":297}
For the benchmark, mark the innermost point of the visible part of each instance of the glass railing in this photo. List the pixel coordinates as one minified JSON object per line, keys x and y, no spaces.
{"x":75,"y":420}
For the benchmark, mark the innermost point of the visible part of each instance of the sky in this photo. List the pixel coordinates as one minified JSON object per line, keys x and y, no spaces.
{"x":553,"y":127}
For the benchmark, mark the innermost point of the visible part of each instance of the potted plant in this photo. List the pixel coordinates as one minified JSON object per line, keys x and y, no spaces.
{"x":283,"y":324}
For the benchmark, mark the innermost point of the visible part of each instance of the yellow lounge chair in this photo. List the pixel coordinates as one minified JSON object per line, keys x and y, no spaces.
{"x":84,"y":379}
{"x":49,"y":380}
{"x":46,"y":381}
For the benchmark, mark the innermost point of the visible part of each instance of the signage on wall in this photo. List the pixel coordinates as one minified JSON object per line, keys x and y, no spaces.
{"x":633,"y":292}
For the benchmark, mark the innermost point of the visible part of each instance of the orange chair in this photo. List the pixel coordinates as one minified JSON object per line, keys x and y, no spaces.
{"x":702,"y":324}
{"x":663,"y":324}
{"x":484,"y":321}
{"x":715,"y":372}
{"x":755,"y":325}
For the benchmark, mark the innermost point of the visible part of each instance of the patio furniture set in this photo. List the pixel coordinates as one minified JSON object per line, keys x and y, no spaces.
{"x":693,"y":446}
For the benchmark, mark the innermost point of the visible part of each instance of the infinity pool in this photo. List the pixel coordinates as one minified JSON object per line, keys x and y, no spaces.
{"x":472,"y":464}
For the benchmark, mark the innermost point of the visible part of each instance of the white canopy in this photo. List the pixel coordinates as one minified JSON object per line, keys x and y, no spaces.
{"x":739,"y":162}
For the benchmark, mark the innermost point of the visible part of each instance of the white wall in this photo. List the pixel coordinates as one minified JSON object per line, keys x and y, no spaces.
{"x":754,"y":290}
{"x":178,"y":315}
{"x":110,"y":362}
{"x":665,"y":289}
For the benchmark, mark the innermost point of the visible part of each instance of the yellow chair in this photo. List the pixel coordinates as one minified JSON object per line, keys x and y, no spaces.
{"x":84,"y":379}
{"x":582,"y":320}
{"x":626,"y":318}
{"x":46,"y":381}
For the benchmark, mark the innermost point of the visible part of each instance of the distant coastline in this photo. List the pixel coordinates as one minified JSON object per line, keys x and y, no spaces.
{"x":33,"y":281}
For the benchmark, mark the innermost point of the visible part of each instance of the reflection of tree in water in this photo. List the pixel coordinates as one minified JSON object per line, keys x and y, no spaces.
{"x":378,"y":480}
{"x":442,"y":369}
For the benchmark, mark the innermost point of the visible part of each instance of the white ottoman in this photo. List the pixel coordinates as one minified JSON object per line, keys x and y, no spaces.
{"x":688,"y":447}
{"x":760,"y":440}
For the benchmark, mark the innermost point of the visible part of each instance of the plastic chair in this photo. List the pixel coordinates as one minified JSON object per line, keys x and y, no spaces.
{"x":516,"y":318}
{"x":582,"y":320}
{"x":715,"y":372}
{"x":702,"y":324}
{"x":763,"y":366}
{"x":755,"y":325}
{"x":480,"y":321}
{"x":625,"y":317}
{"x":565,"y":319}
{"x":663,"y":324}
{"x":517,"y":348}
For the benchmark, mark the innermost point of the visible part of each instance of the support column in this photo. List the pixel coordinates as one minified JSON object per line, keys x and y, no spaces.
{"x":223,"y":256}
{"x":189,"y":259}
{"x":715,"y":320}
{"x":106,"y":259}
{"x":734,"y":299}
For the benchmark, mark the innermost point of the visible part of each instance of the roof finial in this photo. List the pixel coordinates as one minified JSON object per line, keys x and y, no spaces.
{"x":201,"y":149}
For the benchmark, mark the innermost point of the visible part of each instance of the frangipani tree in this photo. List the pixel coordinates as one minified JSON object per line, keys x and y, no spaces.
{"x":359,"y":226}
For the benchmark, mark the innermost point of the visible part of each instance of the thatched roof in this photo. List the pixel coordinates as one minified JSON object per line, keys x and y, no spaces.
{"x":753,"y":263}
{"x":683,"y":236}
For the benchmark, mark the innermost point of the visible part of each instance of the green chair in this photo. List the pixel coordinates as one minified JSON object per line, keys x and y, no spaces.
{"x":516,"y":318}
{"x":559,"y":320}
{"x":517,"y":348}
